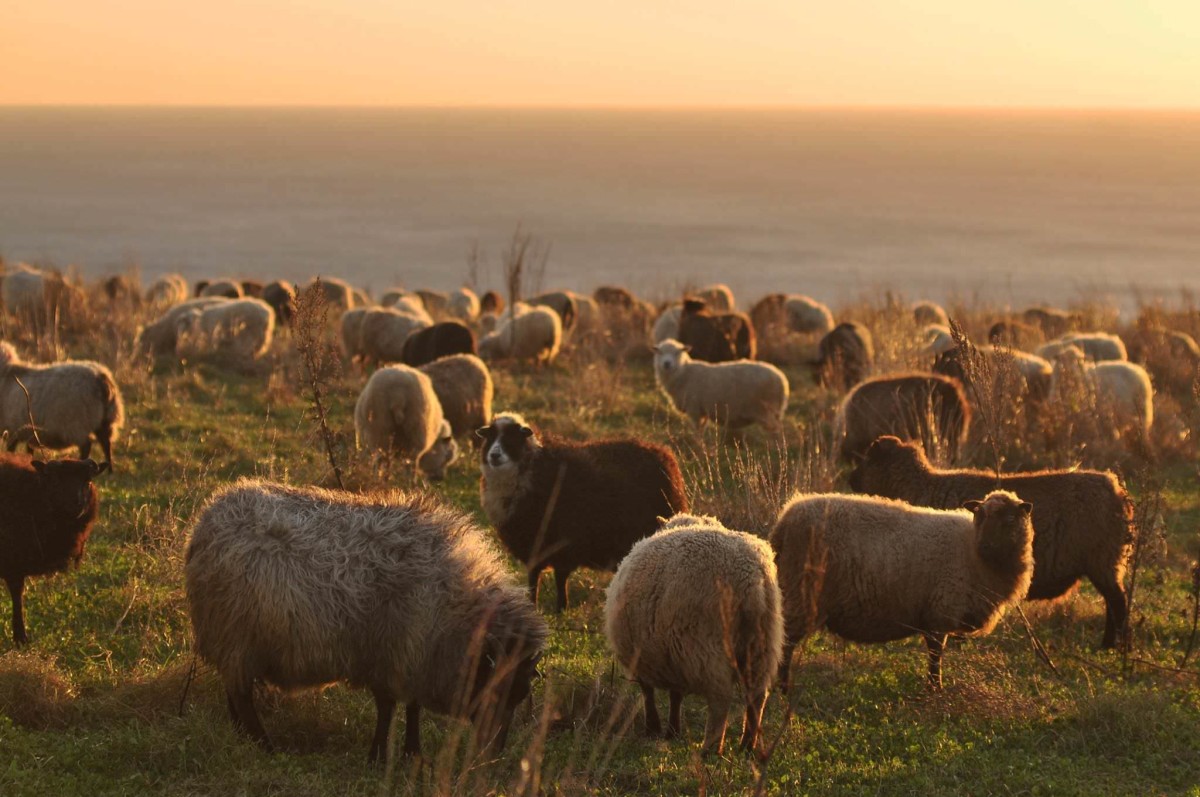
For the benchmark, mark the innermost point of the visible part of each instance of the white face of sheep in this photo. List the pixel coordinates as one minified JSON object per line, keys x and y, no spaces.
{"x":437,"y":459}
{"x":669,"y":356}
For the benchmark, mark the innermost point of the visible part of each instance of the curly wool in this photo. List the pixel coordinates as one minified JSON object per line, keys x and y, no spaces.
{"x":465,"y":390}
{"x":535,"y":334}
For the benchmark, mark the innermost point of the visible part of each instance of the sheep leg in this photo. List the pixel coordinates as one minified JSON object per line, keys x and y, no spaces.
{"x":714,"y":731}
{"x":674,"y":724}
{"x":106,"y":444}
{"x":535,"y":576}
{"x":653,"y":723}
{"x":412,"y":729}
{"x":785,"y":667}
{"x":936,"y":644}
{"x":1116,"y":608}
{"x":16,"y":590}
{"x":385,"y":709}
{"x":560,"y":589}
{"x":755,"y":704}
{"x":85,"y":449}
{"x":245,"y":718}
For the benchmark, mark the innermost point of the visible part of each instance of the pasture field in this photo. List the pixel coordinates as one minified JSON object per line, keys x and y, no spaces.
{"x":102,"y":701}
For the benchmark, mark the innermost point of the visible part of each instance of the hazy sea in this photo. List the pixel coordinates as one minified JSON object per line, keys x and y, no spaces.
{"x":1031,"y":206}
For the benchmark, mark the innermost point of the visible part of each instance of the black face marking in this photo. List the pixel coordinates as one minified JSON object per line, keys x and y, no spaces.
{"x":505,"y":442}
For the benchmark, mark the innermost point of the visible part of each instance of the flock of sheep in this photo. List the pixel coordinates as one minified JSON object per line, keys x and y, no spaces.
{"x":402,"y":595}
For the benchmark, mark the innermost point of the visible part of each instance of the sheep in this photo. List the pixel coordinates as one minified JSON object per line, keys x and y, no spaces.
{"x":716,"y":337}
{"x":361,"y":297}
{"x":999,"y":363}
{"x":338,"y":295}
{"x":666,"y":326}
{"x":434,"y":302}
{"x":733,"y":394}
{"x":1171,"y":358}
{"x":464,"y":388}
{"x":616,"y":296}
{"x":564,"y":505}
{"x":442,"y":339}
{"x":696,"y":609}
{"x":252,"y":288}
{"x":242,"y":327}
{"x":48,"y":512}
{"x":1015,"y":334}
{"x":122,"y":289}
{"x":1119,"y":388}
{"x":169,"y":289}
{"x":36,"y":296}
{"x":768,"y":315}
{"x":806,"y":315}
{"x":938,"y":339}
{"x":463,"y":304}
{"x":390,"y":298}
{"x":162,"y":336}
{"x":1096,"y":345}
{"x":876,"y":570}
{"x":928,"y":407}
{"x":845,"y":355}
{"x":491,"y":302}
{"x":1053,"y":322}
{"x":384,"y":331}
{"x":1082,"y":519}
{"x":396,"y":592}
{"x":229,"y":288}
{"x":718,"y":297}
{"x":587,"y":312}
{"x":534,"y":335}
{"x":560,"y":302}
{"x":398,"y":412}
{"x":926,"y":312}
{"x":281,"y":296}
{"x":352,"y":331}
{"x":71,"y":403}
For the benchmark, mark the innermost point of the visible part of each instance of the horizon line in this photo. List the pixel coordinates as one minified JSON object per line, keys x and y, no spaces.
{"x":618,"y":107}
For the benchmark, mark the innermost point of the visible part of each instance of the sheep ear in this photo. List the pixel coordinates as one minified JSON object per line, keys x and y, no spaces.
{"x":973,"y":506}
{"x":656,"y":349}
{"x":662,"y":521}
{"x":1027,"y":507}
{"x":526,"y":431}
{"x":687,"y":348}
{"x":482,"y":431}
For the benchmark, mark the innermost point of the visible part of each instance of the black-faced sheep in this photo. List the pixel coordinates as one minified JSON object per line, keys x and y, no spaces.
{"x":398,"y":413}
{"x":440,"y":340}
{"x":464,"y":388}
{"x":565,"y":505}
{"x":49,"y":509}
{"x":716,"y":337}
{"x":72,"y":403}
{"x":875,"y":570}
{"x":733,"y":394}
{"x":302,"y":587}
{"x":1082,"y":519}
{"x":844,"y":356}
{"x":696,"y":609}
{"x":928,"y":407}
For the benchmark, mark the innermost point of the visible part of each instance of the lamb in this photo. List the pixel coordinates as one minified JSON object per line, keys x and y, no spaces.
{"x":875,"y":570}
{"x":392,"y":591}
{"x":696,"y":609}
{"x":281,"y":296}
{"x":229,"y":288}
{"x":927,"y":312}
{"x":844,"y":356}
{"x":733,"y":394}
{"x":565,"y":505}
{"x":169,"y":289}
{"x":534,"y":335}
{"x":71,"y":402}
{"x":928,"y":407}
{"x":242,"y":327}
{"x":162,"y":336}
{"x":806,"y":315}
{"x":443,"y":338}
{"x":464,"y":304}
{"x":1096,"y":345}
{"x":384,"y":331}
{"x":1082,"y":519}
{"x":49,"y":509}
{"x":464,"y":388}
{"x":718,"y":297}
{"x":398,"y":412}
{"x":1119,"y":388}
{"x":716,"y":337}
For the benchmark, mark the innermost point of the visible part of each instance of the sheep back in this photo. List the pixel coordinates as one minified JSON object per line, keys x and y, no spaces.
{"x":928,"y":407}
{"x":465,"y":390}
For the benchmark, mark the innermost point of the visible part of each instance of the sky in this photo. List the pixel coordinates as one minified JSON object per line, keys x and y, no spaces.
{"x":1042,"y":53}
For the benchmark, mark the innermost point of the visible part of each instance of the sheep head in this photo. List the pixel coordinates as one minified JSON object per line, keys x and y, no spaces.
{"x":1004,"y":531}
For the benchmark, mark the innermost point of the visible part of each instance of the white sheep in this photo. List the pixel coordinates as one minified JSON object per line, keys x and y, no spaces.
{"x":926,"y":313}
{"x":666,"y":326}
{"x":398,"y":412}
{"x":162,"y":336}
{"x":465,"y":390}
{"x":338,"y":294}
{"x":383,"y":330}
{"x":1095,"y":345}
{"x":241,"y":327}
{"x":71,"y":404}
{"x":35,"y":295}
{"x":1118,"y":387}
{"x":733,"y":394}
{"x":696,"y":609}
{"x":938,"y":339}
{"x":533,"y":334}
{"x":806,"y":315}
{"x":464,"y":304}
{"x":169,"y":289}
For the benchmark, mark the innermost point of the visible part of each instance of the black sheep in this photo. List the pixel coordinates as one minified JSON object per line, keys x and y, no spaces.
{"x":564,"y":505}
{"x":440,"y":340}
{"x":48,"y":512}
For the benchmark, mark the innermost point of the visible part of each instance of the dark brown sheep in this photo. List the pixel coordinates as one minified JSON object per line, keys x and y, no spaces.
{"x":615,"y":295}
{"x":562,"y":303}
{"x":565,"y":505}
{"x":48,"y":512}
{"x":281,"y":295}
{"x":1016,"y":335}
{"x":928,"y":407}
{"x":1082,"y":520}
{"x":440,"y":340}
{"x":768,"y":314}
{"x":1172,"y":358}
{"x":1053,"y":322}
{"x":844,"y":356}
{"x":252,"y":288}
{"x":716,"y":337}
{"x":491,"y":302}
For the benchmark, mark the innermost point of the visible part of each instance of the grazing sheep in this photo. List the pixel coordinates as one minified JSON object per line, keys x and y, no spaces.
{"x":390,"y":298}
{"x":928,"y":407}
{"x":384,"y":331}
{"x":615,"y":296}
{"x":398,"y":412}
{"x":927,"y":312}
{"x":1053,"y":322}
{"x":71,"y":402}
{"x":1120,"y":388}
{"x":999,"y":363}
{"x":533,"y":335}
{"x":252,"y":288}
{"x":442,"y":339}
{"x":666,"y":326}
{"x":733,"y":394}
{"x":162,"y":336}
{"x":1095,"y":345}
{"x":696,"y":609}
{"x":434,"y":302}
{"x":1172,"y":358}
{"x":560,"y":302}
{"x":845,"y":355}
{"x":241,"y":327}
{"x":491,"y":302}
{"x":395,"y":592}
{"x":463,"y":304}
{"x":565,"y":505}
{"x":229,"y":288}
{"x":169,"y":289}
{"x":339,"y":296}
{"x":1015,"y":334}
{"x":718,"y":297}
{"x":716,"y":337}
{"x":352,"y":331}
{"x":361,"y":298}
{"x":587,"y":312}
{"x":48,"y":512}
{"x":806,"y":315}
{"x":122,"y":289}
{"x":34,"y":295}
{"x":281,"y":296}
{"x":875,"y":570}
{"x":1082,"y":519}
{"x":464,"y":388}
{"x":938,"y":339}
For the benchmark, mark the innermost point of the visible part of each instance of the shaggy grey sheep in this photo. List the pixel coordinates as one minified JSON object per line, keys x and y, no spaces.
{"x":243,"y":328}
{"x":464,"y":388}
{"x":696,"y":609}
{"x":302,"y":587}
{"x":733,"y":394}
{"x":162,"y":336}
{"x":398,"y":412}
{"x":875,"y":570}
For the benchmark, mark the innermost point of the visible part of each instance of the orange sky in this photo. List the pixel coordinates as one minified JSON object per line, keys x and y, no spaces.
{"x":1112,"y":53}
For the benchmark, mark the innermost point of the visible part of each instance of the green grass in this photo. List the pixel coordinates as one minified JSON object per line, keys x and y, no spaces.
{"x":93,"y":706}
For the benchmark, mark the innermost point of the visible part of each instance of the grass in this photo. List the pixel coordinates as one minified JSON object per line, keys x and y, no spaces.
{"x":93,"y":705}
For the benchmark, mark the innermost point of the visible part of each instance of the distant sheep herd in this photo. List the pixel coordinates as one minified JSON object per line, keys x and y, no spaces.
{"x":400,"y":594}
